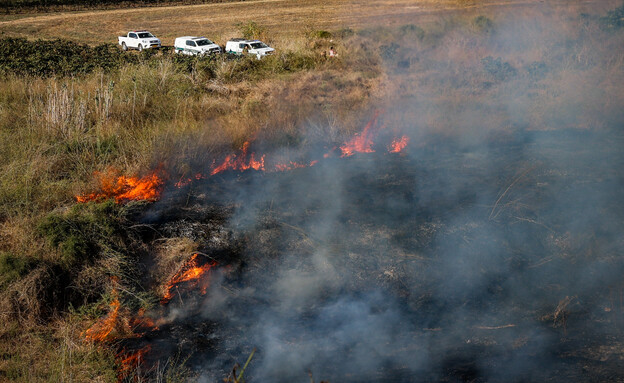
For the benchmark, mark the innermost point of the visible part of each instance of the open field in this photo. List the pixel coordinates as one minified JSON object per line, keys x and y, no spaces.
{"x":285,"y":18}
{"x":489,"y":249}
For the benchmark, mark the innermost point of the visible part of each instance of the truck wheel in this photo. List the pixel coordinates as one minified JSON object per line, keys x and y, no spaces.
{"x":124,"y":46}
{"x":140,"y":47}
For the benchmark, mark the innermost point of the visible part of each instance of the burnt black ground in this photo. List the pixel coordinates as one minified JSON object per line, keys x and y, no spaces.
{"x":448,"y":263}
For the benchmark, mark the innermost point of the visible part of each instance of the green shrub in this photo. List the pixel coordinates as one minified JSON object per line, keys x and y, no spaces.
{"x":537,"y":69}
{"x":82,"y":232}
{"x":252,"y":30}
{"x":380,"y":34}
{"x":344,"y":33}
{"x":412,"y":31}
{"x":389,"y":52}
{"x":483,"y":24}
{"x":13,"y":267}
{"x":614,"y":19}
{"x":320,"y":34}
{"x":293,"y":61}
{"x":500,"y":70}
{"x":58,"y":57}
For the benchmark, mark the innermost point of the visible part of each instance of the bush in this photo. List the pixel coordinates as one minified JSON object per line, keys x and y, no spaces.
{"x":57,"y":57}
{"x":13,"y":267}
{"x":84,"y":231}
{"x":412,"y":31}
{"x":482,"y":24}
{"x":344,"y":33}
{"x":500,"y":70}
{"x":537,"y":70}
{"x":252,"y":31}
{"x":379,"y":34}
{"x":388,"y":52}
{"x":248,"y":67}
{"x":320,"y":34}
{"x":614,"y":19}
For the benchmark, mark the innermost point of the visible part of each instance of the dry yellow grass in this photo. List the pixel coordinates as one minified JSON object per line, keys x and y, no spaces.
{"x":280,"y":17}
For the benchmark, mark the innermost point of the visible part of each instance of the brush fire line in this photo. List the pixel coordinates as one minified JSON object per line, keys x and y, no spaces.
{"x":150,"y":187}
{"x":123,"y":188}
{"x":129,"y":361}
{"x":193,"y":276}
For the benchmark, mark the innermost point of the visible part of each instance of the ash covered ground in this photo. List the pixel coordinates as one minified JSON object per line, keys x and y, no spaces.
{"x":448,"y":262}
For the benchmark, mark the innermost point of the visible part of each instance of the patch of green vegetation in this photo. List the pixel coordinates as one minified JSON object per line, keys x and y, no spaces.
{"x":344,"y":33}
{"x":85,"y":230}
{"x":251,"y":30}
{"x":497,"y":68}
{"x":411,"y":31}
{"x":379,"y":34}
{"x":13,"y":267}
{"x":537,"y":70}
{"x":320,"y":34}
{"x":614,"y":19}
{"x":483,"y":24}
{"x":389,"y":52}
{"x":58,"y":57}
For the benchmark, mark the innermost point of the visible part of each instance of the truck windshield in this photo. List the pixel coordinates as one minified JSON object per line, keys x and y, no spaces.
{"x":145,"y":35}
{"x":204,"y":42}
{"x":258,"y":45}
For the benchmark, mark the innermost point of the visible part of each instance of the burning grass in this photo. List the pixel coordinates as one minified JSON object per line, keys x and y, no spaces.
{"x":465,"y":99}
{"x":191,"y":276}
{"x":123,"y":188}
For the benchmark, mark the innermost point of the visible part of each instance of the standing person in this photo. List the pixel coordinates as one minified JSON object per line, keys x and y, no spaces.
{"x":332,"y":52}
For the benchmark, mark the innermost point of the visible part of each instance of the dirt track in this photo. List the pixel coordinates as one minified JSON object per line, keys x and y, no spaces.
{"x":281,"y":17}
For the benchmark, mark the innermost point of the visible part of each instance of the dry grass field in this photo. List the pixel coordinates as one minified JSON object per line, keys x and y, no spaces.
{"x":286,"y":18}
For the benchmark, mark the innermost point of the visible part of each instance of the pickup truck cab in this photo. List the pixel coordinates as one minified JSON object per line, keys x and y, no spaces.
{"x":191,"y":45}
{"x":139,"y":40}
{"x":253,"y":47}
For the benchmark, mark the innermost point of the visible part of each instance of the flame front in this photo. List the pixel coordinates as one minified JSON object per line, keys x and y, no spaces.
{"x":191,"y":272}
{"x":123,"y":188}
{"x":363,"y":142}
{"x":100,"y":330}
{"x":399,"y":144}
{"x":129,"y":361}
{"x":150,"y":187}
{"x":241,"y":162}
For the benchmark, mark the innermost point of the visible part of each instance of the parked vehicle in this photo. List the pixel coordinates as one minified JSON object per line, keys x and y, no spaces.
{"x":254,"y":47}
{"x":191,"y":45}
{"x":139,"y":40}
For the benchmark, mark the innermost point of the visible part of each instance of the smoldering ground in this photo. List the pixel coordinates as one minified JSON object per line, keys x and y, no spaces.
{"x":490,"y":250}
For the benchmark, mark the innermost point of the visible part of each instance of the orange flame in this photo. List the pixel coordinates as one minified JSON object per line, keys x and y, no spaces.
{"x":240,"y":162}
{"x":128,"y":362}
{"x":362,"y":142}
{"x":100,"y":330}
{"x":399,"y":144}
{"x":143,"y":322}
{"x":191,"y":272}
{"x":123,"y":188}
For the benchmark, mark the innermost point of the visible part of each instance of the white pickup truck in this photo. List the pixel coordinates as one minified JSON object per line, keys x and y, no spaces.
{"x":139,"y":40}
{"x":252,"y":47}
{"x":191,"y":45}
